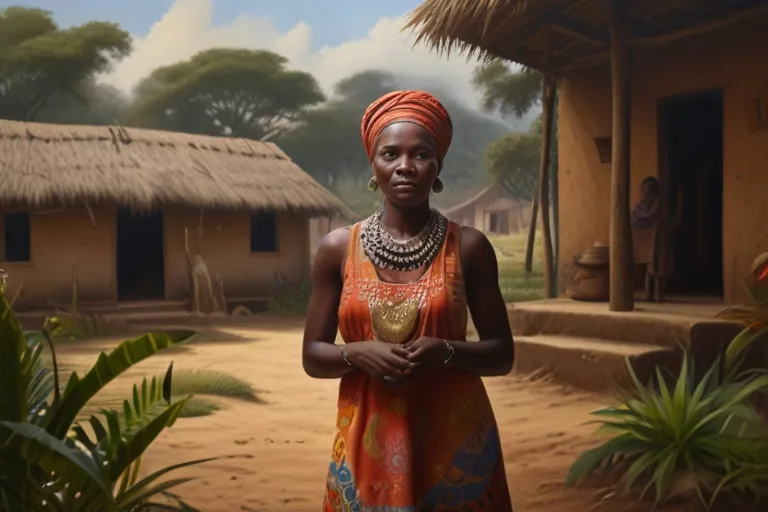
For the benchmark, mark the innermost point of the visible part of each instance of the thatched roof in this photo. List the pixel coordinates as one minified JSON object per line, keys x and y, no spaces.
{"x":558,"y":36}
{"x":45,"y":163}
{"x":501,"y":199}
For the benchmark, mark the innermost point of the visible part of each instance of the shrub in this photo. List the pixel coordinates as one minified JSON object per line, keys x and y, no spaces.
{"x":703,"y":437}
{"x":49,"y":460}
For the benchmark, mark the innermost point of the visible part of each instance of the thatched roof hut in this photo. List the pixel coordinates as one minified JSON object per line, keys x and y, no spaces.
{"x":46,"y":163}
{"x":676,"y":88}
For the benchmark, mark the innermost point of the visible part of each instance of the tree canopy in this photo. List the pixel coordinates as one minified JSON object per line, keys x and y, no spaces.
{"x":39,"y":60}
{"x":49,"y":74}
{"x":511,"y":93}
{"x":513,"y":161}
{"x":225,"y":91}
{"x":94,"y":104}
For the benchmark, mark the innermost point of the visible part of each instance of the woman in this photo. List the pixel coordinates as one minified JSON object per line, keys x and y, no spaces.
{"x":414,"y":430}
{"x":652,"y":241}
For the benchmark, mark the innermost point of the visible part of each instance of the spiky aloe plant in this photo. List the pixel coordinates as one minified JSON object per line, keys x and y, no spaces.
{"x":704,"y":435}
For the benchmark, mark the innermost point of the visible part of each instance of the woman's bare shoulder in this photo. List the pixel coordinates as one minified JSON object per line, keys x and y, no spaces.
{"x":332,"y":248}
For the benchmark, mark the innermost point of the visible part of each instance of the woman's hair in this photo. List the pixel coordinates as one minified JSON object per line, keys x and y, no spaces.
{"x":652,"y":181}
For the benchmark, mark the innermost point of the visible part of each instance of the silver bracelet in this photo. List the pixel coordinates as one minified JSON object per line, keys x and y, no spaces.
{"x":449,"y":351}
{"x":345,"y":354}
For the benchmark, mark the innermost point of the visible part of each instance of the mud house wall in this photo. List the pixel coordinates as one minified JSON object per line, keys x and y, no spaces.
{"x":226,"y":249}
{"x":732,"y":60}
{"x":63,"y":240}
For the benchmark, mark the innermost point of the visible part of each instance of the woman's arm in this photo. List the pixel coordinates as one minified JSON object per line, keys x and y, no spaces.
{"x":321,"y":357}
{"x":494,"y":354}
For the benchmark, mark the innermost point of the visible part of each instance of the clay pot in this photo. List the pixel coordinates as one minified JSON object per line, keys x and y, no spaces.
{"x":595,"y":256}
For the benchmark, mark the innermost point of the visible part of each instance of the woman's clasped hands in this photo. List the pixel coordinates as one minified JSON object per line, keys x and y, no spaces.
{"x":394,"y":363}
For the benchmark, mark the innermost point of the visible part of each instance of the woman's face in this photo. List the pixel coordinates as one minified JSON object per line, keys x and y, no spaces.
{"x":405,"y":164}
{"x":649,"y":190}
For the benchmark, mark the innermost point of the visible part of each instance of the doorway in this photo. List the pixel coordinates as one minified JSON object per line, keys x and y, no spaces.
{"x":140,"y":255}
{"x":494,"y":223}
{"x":691,"y":176}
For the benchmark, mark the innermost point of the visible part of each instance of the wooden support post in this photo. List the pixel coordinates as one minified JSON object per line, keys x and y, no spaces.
{"x":548,"y":100}
{"x":532,"y":232}
{"x":621,"y":286}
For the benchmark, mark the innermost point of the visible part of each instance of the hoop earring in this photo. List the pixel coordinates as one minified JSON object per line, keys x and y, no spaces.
{"x":373,"y":185}
{"x":437,"y":186}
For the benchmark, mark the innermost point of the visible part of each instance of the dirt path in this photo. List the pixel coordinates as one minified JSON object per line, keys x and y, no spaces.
{"x":283,"y":446}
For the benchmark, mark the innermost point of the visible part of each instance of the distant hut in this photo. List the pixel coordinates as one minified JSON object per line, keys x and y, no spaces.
{"x":111,"y":205}
{"x":492,"y":210}
{"x":672,"y":89}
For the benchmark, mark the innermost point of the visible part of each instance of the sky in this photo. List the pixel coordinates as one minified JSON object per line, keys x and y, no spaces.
{"x":329,"y":38}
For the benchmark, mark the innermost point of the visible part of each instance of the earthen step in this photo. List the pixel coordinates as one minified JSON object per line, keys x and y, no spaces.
{"x":588,"y":363}
{"x":152,"y":317}
{"x":121,"y":308}
{"x":636,"y":327}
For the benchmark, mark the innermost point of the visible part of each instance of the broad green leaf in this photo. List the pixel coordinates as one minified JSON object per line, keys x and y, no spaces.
{"x":130,"y":496}
{"x":664,"y":471}
{"x":738,"y":347}
{"x":592,"y":459}
{"x":54,"y":456}
{"x":640,"y":466}
{"x":13,"y":389}
{"x":107,"y":367}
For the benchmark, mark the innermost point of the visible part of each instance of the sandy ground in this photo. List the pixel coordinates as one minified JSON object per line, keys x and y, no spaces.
{"x":281,"y":449}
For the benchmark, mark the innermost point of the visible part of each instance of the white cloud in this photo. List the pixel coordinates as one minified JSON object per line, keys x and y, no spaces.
{"x":187,"y":28}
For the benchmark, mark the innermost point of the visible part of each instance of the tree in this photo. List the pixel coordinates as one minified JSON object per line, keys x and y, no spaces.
{"x":364,"y":87}
{"x":515,"y":93}
{"x":327,"y":143}
{"x":39,"y":60}
{"x":240,"y":93}
{"x":94,"y":104}
{"x":505,"y":91}
{"x":513,"y":162}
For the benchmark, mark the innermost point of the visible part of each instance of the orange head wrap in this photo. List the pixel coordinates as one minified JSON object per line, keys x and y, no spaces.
{"x":415,"y":106}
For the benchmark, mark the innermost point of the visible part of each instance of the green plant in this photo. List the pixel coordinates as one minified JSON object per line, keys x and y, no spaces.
{"x":48,"y":459}
{"x":209,"y":382}
{"x":290,"y":302}
{"x":703,"y":437}
{"x":198,"y":406}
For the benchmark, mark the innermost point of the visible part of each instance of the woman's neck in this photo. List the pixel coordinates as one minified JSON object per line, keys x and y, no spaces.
{"x":405,"y":222}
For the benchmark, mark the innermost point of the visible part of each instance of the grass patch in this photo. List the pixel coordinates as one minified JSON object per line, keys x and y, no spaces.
{"x":197,"y":406}
{"x":290,"y":303}
{"x":515,"y":284}
{"x":212,"y":382}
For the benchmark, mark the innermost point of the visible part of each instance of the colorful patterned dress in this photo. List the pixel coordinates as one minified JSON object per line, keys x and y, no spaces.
{"x":431,"y":446}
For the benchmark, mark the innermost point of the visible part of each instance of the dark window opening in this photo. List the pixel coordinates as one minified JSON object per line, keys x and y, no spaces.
{"x":16,"y":237}
{"x":263,"y":232}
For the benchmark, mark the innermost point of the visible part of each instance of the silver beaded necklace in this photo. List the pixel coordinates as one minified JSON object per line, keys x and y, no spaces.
{"x":386,"y":251}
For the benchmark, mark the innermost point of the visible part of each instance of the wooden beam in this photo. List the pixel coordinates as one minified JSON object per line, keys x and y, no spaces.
{"x":650,"y":40}
{"x":576,"y":29}
{"x":621,"y":285}
{"x":548,"y":100}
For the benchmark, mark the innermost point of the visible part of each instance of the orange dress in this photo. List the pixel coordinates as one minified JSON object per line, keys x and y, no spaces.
{"x":430,"y":446}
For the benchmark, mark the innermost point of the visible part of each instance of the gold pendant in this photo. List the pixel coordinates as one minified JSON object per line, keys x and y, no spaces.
{"x":394,"y":321}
